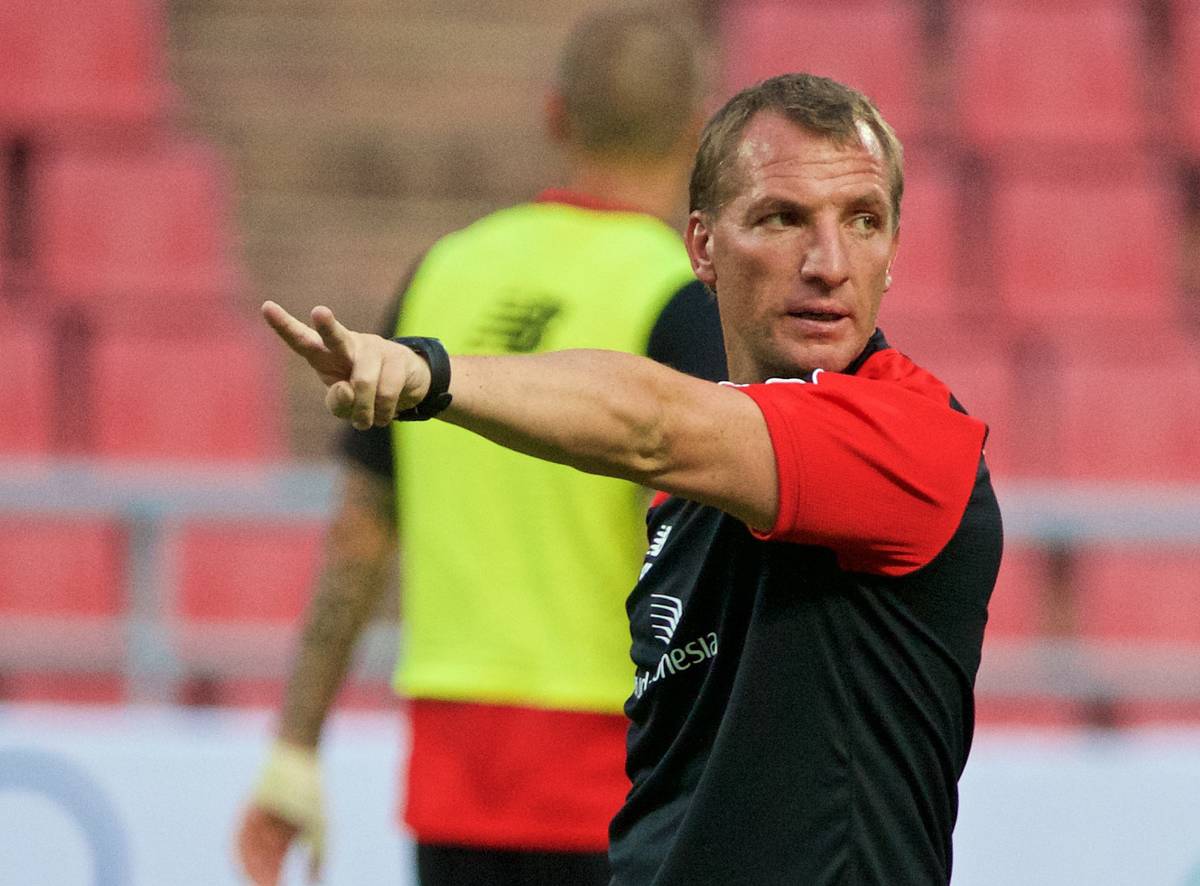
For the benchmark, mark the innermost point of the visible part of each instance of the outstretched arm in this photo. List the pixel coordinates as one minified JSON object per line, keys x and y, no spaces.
{"x":600,"y":411}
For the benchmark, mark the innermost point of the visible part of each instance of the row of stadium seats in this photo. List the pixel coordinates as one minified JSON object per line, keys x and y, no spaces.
{"x":256,"y":573}
{"x":1021,"y":72}
{"x":143,"y":231}
{"x":1145,"y":593}
{"x":210,"y":395}
{"x":1048,"y":246}
{"x":1043,"y":288}
{"x":1085,"y":415}
{"x":1079,"y":408}
{"x":140,"y":243}
{"x":262,"y":572}
{"x":71,"y":67}
{"x":1015,"y":74}
{"x":147,"y":231}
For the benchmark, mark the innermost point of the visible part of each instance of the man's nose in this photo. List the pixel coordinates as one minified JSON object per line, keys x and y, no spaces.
{"x":825,"y":261}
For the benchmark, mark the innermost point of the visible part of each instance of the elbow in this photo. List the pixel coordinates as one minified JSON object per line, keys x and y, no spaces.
{"x":648,"y":453}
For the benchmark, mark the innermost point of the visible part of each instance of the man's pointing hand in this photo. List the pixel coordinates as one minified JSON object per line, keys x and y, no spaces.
{"x":369,"y":378}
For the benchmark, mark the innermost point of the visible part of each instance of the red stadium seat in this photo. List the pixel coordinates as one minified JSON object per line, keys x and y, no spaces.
{"x":992,"y":711}
{"x":872,"y":46}
{"x":924,"y":271}
{"x":70,"y":64}
{"x":1131,"y":421}
{"x":254,"y":571}
{"x":204,"y":396}
{"x":63,"y":569}
{"x":1016,"y":608}
{"x":60,"y":567}
{"x":1147,"y":593}
{"x":146,"y":232}
{"x":1067,"y":249}
{"x":238,"y":574}
{"x":35,"y":687}
{"x":1039,"y":74}
{"x":26,"y":389}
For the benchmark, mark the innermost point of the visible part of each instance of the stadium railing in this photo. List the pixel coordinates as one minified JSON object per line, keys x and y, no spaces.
{"x":154,"y":653}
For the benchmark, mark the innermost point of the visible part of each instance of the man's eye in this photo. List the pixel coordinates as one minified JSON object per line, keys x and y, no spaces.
{"x":865,"y":223}
{"x":776,"y":219}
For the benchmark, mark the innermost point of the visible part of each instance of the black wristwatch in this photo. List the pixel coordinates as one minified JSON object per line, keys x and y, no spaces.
{"x":438,"y":396}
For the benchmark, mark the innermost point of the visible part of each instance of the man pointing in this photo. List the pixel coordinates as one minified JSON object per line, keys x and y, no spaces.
{"x":808,"y":623}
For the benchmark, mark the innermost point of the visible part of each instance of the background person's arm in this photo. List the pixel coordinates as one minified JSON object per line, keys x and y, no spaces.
{"x":360,"y":551}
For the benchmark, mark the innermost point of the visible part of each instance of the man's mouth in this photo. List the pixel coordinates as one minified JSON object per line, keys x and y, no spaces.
{"x":818,"y":316}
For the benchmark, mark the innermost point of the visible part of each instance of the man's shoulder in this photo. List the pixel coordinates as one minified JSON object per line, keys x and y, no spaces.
{"x":891,"y":365}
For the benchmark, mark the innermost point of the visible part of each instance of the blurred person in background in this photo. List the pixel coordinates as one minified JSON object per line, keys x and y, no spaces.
{"x":810,"y":615}
{"x":514,"y":651}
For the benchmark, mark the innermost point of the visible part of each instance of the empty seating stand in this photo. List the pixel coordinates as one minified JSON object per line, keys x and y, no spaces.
{"x":1069,"y":248}
{"x":1132,"y":422}
{"x":924,"y":274}
{"x":242,"y":576}
{"x":26,"y":389}
{"x":1017,"y":607}
{"x":140,"y":234}
{"x":205,"y":396}
{"x":60,"y":567}
{"x":1044,"y":75}
{"x":762,"y":39}
{"x":59,"y":571}
{"x":246,"y":571}
{"x":1148,"y":594}
{"x":72,"y":66}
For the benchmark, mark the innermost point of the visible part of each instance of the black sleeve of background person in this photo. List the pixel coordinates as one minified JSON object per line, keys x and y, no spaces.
{"x":372,"y":448}
{"x":687,"y":335}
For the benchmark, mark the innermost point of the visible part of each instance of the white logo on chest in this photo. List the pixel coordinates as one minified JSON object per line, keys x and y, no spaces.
{"x":664,"y":615}
{"x":656,"y":546}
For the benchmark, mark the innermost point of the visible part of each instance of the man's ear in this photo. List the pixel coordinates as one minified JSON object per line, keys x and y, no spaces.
{"x":887,"y":284}
{"x":699,"y":241}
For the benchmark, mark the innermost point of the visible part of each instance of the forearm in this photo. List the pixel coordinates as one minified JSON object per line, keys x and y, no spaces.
{"x":603,"y":412}
{"x":359,"y":553}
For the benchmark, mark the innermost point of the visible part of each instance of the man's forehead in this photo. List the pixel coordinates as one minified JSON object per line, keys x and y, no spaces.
{"x":770,"y":137}
{"x":772,"y":142}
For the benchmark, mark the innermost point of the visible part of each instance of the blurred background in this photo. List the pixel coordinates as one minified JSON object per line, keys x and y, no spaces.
{"x":165,"y":469}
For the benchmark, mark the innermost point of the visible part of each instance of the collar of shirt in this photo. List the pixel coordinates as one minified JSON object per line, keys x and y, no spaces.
{"x":583,"y":201}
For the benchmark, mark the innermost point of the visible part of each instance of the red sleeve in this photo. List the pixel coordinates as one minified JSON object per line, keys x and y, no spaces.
{"x":875,"y":470}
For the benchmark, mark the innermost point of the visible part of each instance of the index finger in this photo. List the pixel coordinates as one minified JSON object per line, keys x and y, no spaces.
{"x":299,"y":337}
{"x":335,"y":336}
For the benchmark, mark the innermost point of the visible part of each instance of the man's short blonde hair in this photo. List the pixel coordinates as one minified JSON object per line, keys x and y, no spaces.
{"x":630,"y":83}
{"x":817,"y":104}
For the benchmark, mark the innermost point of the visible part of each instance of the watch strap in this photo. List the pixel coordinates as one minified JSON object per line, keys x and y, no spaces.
{"x":438,"y":397}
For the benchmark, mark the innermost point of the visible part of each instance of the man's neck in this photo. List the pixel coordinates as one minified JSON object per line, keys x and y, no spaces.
{"x":656,"y":189}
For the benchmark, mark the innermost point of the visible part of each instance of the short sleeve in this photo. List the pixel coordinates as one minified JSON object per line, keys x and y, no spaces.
{"x":877,"y":472}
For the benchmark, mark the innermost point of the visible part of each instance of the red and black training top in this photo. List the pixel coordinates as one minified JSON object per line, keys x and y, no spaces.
{"x":803,"y":706}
